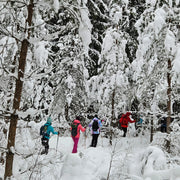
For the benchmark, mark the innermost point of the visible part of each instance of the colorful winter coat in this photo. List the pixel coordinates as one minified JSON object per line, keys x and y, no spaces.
{"x":140,"y":121}
{"x":79,"y":128}
{"x":125,"y":119}
{"x":99,"y":123}
{"x":50,"y":129}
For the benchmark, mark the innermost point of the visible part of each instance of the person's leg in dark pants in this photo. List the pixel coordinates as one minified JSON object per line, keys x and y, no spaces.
{"x":45,"y":143}
{"x":94,"y":140}
{"x":125,"y":131}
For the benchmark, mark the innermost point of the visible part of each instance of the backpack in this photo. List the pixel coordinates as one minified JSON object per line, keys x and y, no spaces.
{"x":74,"y":129}
{"x":95,"y":125}
{"x":43,"y":130}
{"x":124,"y":121}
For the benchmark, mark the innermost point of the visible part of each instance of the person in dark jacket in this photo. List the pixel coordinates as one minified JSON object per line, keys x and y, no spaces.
{"x":45,"y":138}
{"x":124,"y":121}
{"x":163,"y":125}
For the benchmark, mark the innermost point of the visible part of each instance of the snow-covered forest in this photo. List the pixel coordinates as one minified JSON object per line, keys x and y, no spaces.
{"x":68,"y":58}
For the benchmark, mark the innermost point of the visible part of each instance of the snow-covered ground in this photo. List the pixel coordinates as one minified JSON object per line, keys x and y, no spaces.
{"x":129,"y":158}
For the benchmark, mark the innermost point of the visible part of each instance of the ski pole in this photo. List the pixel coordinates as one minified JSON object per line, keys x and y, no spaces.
{"x":57,"y":142}
{"x":85,"y":138}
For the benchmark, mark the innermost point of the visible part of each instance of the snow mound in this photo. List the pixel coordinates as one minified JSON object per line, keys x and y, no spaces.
{"x":90,"y":164}
{"x":152,"y":165}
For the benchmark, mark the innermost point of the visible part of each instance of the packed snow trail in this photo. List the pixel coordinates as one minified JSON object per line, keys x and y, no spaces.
{"x":87,"y":165}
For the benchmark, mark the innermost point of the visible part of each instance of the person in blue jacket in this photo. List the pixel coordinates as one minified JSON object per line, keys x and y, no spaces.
{"x":95,"y":130}
{"x":46,"y":135}
{"x":139,"y":125}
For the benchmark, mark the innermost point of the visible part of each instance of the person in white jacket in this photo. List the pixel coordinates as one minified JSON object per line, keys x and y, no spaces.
{"x":95,"y":126}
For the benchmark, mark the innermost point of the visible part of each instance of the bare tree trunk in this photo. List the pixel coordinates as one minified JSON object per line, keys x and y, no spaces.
{"x":17,"y":97}
{"x":66,"y":113}
{"x":112,"y":117}
{"x":168,"y":120}
{"x":152,"y":128}
{"x":169,"y":96}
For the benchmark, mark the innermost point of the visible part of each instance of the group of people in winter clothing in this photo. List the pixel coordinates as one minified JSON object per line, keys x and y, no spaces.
{"x":95,"y":130}
{"x":49,"y":129}
{"x":95,"y":126}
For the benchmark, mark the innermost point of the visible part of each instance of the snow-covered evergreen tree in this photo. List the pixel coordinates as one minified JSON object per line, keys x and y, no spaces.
{"x":156,"y":56}
{"x":98,"y":14}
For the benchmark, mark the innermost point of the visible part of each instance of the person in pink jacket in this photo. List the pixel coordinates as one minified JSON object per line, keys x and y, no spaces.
{"x":75,"y":133}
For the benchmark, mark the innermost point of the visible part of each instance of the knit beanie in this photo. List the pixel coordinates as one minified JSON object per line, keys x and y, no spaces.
{"x":49,"y":120}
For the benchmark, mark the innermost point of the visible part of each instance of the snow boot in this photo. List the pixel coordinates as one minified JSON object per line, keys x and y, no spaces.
{"x":46,"y":151}
{"x":42,"y":152}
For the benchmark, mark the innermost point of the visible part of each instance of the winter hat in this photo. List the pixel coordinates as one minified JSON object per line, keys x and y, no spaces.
{"x":128,"y":113}
{"x":78,"y":118}
{"x":95,"y":119}
{"x":96,"y":116}
{"x":49,"y":120}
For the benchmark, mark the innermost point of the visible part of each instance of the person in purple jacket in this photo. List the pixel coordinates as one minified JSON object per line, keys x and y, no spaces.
{"x":95,"y":126}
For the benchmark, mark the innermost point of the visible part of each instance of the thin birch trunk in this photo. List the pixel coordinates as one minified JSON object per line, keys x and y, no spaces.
{"x":111,"y":161}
